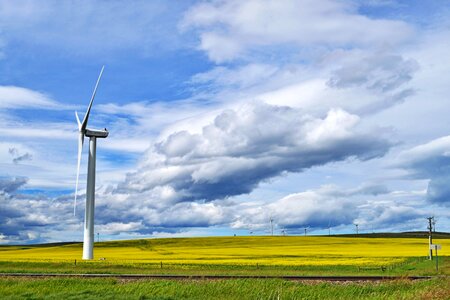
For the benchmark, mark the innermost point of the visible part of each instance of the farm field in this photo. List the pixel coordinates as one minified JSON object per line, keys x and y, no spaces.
{"x":258,"y":255}
{"x":291,"y":255}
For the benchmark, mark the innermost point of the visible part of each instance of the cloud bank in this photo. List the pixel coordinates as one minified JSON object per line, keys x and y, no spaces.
{"x":244,"y":147}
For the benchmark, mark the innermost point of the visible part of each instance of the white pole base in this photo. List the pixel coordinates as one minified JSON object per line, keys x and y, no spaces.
{"x":88,"y":243}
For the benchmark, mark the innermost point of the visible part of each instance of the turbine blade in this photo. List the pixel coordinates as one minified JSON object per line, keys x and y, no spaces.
{"x":86,"y":116}
{"x":78,"y":120}
{"x":80,"y":149}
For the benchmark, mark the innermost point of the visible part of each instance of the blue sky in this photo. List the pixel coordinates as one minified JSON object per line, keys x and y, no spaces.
{"x":223,"y":114}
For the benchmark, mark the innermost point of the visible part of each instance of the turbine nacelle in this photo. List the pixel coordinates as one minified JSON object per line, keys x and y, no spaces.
{"x":101,"y":134}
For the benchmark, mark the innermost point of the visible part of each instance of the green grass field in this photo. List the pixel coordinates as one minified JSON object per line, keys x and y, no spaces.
{"x":291,"y":255}
{"x":218,"y":289}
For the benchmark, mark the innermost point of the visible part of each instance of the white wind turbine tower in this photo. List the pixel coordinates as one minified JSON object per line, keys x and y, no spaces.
{"x":88,"y":242}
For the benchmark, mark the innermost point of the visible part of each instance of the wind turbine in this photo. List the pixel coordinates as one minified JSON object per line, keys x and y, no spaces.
{"x":271,"y":224}
{"x":88,"y":242}
{"x":329,"y":227}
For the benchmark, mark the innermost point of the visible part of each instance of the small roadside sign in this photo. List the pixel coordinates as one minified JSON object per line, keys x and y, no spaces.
{"x":435,"y":247}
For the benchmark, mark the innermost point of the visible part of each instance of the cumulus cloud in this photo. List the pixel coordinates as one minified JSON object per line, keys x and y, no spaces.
{"x":430,"y":161}
{"x":244,"y":147}
{"x":229,"y":29}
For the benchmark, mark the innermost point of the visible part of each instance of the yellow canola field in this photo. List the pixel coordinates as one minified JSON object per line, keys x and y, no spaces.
{"x":278,"y":250}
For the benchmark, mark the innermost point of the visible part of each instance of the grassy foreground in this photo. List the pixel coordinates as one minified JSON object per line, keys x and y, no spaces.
{"x":218,"y":289}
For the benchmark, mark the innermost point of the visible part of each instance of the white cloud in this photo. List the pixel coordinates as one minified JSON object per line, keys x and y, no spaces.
{"x":230,"y":29}
{"x":12,"y":97}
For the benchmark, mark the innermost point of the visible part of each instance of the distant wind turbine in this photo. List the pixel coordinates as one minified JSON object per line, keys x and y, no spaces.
{"x":306,"y":228}
{"x":271,"y":224}
{"x":329,"y":227}
{"x":88,"y":242}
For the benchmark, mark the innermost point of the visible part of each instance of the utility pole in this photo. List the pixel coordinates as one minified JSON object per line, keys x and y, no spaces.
{"x":430,"y":236}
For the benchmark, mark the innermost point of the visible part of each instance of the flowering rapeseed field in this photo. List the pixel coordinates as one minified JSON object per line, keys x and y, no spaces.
{"x":277,"y":250}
